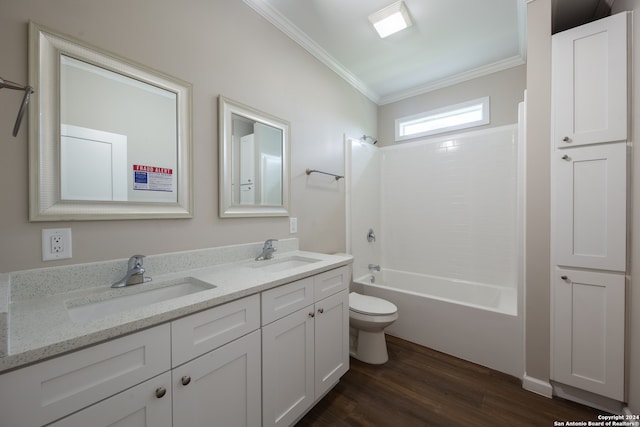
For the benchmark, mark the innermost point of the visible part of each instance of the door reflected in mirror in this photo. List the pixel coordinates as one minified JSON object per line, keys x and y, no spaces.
{"x":257,"y":163}
{"x":254,"y":168}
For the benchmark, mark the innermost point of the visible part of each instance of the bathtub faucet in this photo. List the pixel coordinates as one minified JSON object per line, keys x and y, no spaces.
{"x":372,"y":267}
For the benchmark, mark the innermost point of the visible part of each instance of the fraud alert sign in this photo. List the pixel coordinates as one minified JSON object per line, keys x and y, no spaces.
{"x":152,"y":178}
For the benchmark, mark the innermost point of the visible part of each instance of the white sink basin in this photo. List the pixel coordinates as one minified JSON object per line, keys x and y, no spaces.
{"x":112,"y":301}
{"x":282,"y":264}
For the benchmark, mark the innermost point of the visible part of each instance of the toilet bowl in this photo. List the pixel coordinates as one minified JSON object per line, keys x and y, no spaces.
{"x":368,"y":316}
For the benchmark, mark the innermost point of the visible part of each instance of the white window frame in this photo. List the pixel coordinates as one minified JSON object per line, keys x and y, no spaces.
{"x":442,"y":114}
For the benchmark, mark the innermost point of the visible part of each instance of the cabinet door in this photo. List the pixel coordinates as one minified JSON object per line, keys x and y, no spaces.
{"x":590,"y":207}
{"x":145,"y":405}
{"x":287,"y":361}
{"x":589,"y":83}
{"x":588,"y":331}
{"x":331,"y":341}
{"x":220,"y":388}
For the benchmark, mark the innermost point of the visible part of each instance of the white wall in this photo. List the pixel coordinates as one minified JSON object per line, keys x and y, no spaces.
{"x":537,"y":347}
{"x":221,"y":47}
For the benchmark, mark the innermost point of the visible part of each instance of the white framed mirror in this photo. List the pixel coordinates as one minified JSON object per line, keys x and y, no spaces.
{"x":254,"y":162}
{"x":108,"y":138}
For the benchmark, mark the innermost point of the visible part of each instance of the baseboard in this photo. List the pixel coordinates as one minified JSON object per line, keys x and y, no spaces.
{"x":537,"y":386}
{"x":587,"y":398}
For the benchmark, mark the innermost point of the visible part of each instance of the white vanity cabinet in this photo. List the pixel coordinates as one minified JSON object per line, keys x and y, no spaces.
{"x":589,"y":83}
{"x":213,"y":367}
{"x":305,"y":348}
{"x":216,"y":368}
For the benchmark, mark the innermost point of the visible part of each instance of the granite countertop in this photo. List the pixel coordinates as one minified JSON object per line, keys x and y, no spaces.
{"x":39,"y":326}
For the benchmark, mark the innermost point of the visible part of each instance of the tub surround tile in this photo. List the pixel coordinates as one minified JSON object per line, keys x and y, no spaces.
{"x":40,"y":326}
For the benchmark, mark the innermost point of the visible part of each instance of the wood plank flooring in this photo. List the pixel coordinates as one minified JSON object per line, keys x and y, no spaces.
{"x":422,"y":387}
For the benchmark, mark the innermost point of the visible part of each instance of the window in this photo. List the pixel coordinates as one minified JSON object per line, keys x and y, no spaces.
{"x":453,"y":117}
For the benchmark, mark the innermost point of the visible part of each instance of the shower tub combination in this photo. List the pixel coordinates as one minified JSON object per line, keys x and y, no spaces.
{"x":447,"y":212}
{"x":472,"y":321}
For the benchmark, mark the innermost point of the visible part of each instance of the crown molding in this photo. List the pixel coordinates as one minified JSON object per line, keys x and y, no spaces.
{"x":297,"y":35}
{"x":452,"y":80}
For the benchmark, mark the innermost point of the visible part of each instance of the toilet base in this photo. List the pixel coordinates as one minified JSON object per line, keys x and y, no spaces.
{"x":370,"y":347}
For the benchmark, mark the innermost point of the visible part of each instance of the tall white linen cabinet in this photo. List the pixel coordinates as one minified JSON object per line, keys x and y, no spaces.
{"x":590,"y":151}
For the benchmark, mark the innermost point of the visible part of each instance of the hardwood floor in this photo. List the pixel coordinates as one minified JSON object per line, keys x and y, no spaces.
{"x":422,"y":387}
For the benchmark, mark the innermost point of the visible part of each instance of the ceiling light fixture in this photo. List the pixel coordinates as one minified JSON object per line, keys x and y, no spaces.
{"x":391,"y":19}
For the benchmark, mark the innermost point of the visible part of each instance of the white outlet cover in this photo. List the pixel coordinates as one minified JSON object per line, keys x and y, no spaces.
{"x":293,"y":225}
{"x":56,"y":244}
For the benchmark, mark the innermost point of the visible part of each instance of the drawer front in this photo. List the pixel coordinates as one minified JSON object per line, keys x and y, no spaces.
{"x":145,"y":405}
{"x":199,"y":333}
{"x":286,"y":299}
{"x":42,"y":393}
{"x":331,"y":282}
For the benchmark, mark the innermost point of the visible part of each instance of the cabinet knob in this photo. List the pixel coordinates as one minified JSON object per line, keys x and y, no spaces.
{"x":185,"y":380}
{"x":563,"y":277}
{"x":565,"y":157}
{"x":312,"y":314}
{"x":160,"y":392}
{"x":321,"y":310}
{"x":566,"y":139}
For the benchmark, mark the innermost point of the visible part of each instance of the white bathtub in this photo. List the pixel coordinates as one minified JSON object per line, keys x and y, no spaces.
{"x":472,"y":321}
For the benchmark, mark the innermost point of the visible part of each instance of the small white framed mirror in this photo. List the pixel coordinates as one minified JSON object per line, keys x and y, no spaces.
{"x":108,"y":139}
{"x":254,"y":162}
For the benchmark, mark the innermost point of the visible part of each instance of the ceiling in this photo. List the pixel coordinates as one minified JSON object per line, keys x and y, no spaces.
{"x":450,"y":40}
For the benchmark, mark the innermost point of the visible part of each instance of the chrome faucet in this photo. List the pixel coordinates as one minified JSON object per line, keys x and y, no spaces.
{"x":267,"y":250}
{"x":372,"y":267}
{"x":135,"y":273}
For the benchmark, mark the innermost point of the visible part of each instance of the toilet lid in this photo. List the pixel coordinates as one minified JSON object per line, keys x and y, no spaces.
{"x":370,"y":305}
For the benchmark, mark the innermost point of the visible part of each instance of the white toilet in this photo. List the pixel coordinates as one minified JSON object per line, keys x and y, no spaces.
{"x":368,"y":316}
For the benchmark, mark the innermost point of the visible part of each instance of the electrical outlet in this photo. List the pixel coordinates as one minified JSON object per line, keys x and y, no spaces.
{"x":293,"y":225}
{"x":56,"y":243}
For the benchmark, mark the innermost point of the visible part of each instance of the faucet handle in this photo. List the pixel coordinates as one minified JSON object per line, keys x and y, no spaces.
{"x":269,"y":243}
{"x":136,"y":261}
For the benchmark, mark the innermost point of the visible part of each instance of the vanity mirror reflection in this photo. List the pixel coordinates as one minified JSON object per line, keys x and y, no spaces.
{"x":109,"y":138}
{"x":254,"y":162}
